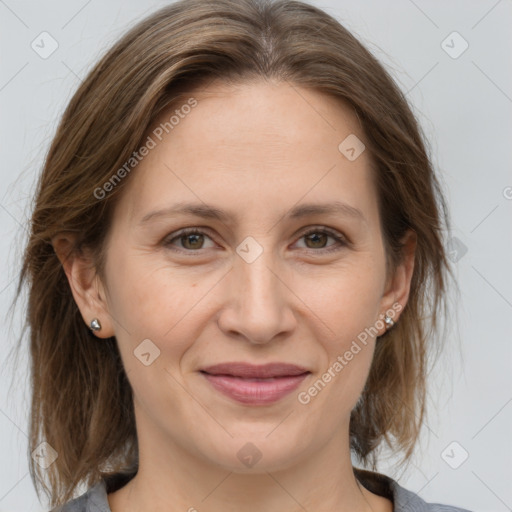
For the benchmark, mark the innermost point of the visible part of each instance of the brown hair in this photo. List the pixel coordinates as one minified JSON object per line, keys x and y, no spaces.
{"x":82,"y":400}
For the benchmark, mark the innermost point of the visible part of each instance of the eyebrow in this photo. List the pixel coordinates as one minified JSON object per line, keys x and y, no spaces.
{"x":210,"y":212}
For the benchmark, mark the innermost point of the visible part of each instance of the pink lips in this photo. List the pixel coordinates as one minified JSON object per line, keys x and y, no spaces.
{"x":255,"y":385}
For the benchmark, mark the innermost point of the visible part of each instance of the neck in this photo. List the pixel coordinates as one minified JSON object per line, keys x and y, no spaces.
{"x":179,"y":480}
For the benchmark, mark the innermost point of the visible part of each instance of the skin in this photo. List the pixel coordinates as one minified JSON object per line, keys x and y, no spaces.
{"x":257,"y":150}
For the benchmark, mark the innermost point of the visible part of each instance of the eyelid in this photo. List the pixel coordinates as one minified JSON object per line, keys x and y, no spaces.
{"x":200,"y":230}
{"x":341,"y":239}
{"x":323,"y":229}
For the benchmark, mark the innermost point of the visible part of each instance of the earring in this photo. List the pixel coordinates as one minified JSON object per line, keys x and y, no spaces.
{"x":389,"y":322}
{"x":95,"y":325}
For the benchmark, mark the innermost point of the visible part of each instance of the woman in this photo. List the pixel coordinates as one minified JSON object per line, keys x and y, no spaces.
{"x":236,"y":271}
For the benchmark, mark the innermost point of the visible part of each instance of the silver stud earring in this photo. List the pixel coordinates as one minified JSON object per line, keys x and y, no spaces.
{"x":95,"y":325}
{"x":389,"y":322}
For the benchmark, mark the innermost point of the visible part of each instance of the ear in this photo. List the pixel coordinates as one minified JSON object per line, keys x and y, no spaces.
{"x":398,"y":285}
{"x":86,"y":286}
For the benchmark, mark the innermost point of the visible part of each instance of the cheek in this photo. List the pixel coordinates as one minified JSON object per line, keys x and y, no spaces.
{"x":142,"y":301}
{"x":346,"y":300}
{"x":154,"y":303}
{"x":157,"y":302}
{"x":346,"y":308}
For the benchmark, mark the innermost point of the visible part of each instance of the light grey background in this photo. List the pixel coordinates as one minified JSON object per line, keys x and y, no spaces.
{"x":464,"y":105}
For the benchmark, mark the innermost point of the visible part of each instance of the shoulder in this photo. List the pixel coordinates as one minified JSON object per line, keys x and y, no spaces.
{"x":93,"y":500}
{"x":408,"y":501}
{"x":403,"y":499}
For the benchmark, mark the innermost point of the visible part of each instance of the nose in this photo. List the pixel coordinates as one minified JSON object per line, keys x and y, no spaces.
{"x":259,"y":304}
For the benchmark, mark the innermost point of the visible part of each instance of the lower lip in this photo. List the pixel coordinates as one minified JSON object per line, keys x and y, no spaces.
{"x":254,"y":391}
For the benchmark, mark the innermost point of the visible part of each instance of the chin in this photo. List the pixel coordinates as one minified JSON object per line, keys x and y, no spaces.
{"x":255,"y":450}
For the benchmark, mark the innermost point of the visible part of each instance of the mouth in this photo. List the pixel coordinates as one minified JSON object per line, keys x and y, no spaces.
{"x":255,"y":385}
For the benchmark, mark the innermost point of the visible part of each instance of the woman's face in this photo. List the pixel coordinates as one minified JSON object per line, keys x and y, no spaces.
{"x":252,"y":287}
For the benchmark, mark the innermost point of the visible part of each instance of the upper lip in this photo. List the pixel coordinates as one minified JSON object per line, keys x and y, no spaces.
{"x":248,"y":371}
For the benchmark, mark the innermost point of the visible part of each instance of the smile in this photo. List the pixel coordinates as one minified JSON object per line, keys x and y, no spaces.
{"x":255,"y":391}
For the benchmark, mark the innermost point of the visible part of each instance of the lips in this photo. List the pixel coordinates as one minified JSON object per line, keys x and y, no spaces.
{"x":249,"y":371}
{"x":255,"y":385}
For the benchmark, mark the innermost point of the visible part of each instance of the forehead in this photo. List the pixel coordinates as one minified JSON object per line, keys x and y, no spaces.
{"x":247,"y":143}
{"x":278,"y":112}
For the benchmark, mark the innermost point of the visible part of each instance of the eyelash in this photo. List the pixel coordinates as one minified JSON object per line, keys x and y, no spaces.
{"x":341,"y":241}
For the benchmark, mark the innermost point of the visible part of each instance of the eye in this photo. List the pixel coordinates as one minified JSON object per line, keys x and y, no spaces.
{"x":193,"y":239}
{"x":317,"y":237}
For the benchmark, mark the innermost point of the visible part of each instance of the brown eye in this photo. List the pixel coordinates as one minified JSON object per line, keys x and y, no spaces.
{"x":189,"y":240}
{"x":316,"y":240}
{"x":192,"y":241}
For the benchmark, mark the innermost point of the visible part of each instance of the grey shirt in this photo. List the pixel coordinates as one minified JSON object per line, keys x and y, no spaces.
{"x":95,"y":498}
